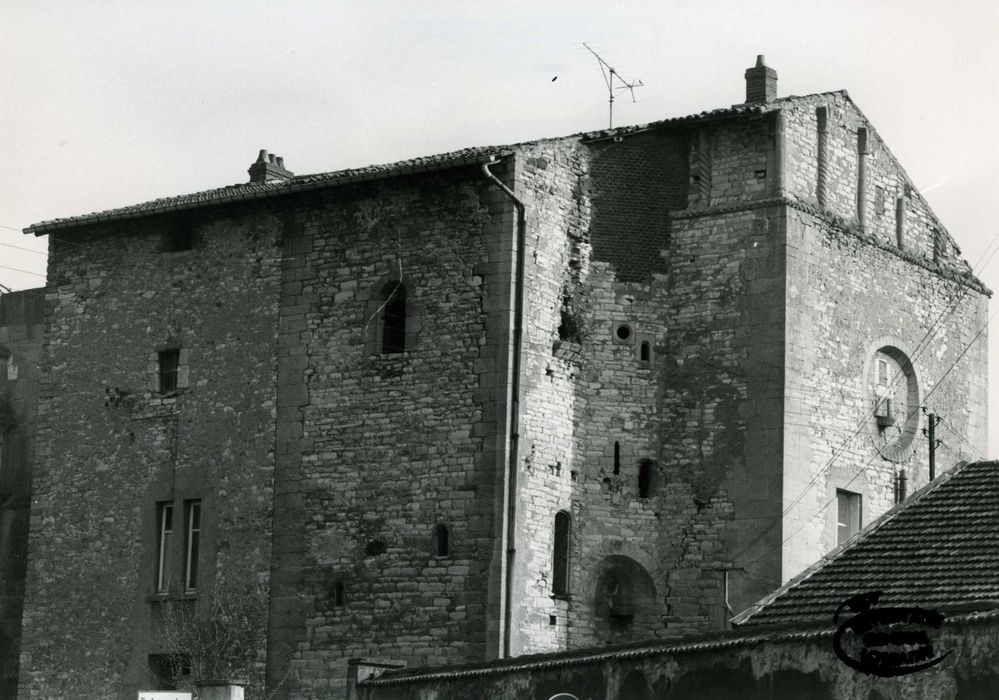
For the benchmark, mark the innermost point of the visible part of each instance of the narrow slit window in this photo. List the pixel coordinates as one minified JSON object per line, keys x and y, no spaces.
{"x":394,"y":319}
{"x":617,"y":457}
{"x":164,"y":530}
{"x":169,"y":361}
{"x":645,"y":353}
{"x":442,"y":541}
{"x":560,"y":556}
{"x":339,"y":594}
{"x":192,"y":545}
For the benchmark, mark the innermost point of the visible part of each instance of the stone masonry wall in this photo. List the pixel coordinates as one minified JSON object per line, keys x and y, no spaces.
{"x":695,"y":347}
{"x":846,"y":300}
{"x":22,"y":328}
{"x":722,"y":387}
{"x":799,"y":664}
{"x":712,"y":323}
{"x":111,"y":446}
{"x":851,"y":291}
{"x":551,"y":181}
{"x":375,"y":450}
{"x":885,"y":181}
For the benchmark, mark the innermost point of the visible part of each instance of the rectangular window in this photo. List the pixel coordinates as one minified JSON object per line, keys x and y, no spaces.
{"x":169,"y":366}
{"x":192,"y":544}
{"x":164,"y":529}
{"x":848,"y":515}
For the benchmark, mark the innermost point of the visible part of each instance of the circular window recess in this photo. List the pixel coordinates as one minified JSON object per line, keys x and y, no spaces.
{"x":622,"y":332}
{"x":893,"y":395}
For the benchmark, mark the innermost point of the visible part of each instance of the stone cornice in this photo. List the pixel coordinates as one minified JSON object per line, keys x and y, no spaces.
{"x":965,"y":278}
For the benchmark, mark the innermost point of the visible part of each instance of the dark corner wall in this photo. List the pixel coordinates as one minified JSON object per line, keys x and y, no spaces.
{"x":22,"y":316}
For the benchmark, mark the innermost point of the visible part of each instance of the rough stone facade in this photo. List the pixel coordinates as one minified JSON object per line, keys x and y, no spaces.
{"x":704,"y":327}
{"x":22,"y":319}
{"x":112,"y":448}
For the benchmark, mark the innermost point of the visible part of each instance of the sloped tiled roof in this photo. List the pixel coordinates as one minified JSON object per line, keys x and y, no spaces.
{"x":938,"y":550}
{"x":467,"y":156}
{"x":255,"y":190}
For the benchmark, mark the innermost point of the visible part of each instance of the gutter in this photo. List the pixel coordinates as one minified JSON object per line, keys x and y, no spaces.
{"x":510,"y":481}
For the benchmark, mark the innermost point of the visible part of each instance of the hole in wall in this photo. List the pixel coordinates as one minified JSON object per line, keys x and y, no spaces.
{"x":375,"y":548}
{"x":623,"y":331}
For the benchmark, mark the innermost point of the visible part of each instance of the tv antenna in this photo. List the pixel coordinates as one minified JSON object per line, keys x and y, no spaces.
{"x":610,"y":75}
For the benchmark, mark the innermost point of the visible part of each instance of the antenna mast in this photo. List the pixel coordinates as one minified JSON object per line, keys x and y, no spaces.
{"x":610,"y":75}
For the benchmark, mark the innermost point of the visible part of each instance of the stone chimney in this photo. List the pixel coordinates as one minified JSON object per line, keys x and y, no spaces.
{"x":269,"y":168}
{"x":761,"y":82}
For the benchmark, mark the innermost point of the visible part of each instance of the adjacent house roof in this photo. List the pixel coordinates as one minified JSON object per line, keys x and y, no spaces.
{"x":937,"y":550}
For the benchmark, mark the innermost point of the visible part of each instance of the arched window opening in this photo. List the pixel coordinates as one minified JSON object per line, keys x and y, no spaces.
{"x":617,"y":457}
{"x":645,"y":472}
{"x":645,"y":353}
{"x":394,"y":318}
{"x":560,"y":563}
{"x":442,"y":541}
{"x":339,"y":594}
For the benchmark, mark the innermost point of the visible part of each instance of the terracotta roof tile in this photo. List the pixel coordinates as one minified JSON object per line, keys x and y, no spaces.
{"x":939,"y":550}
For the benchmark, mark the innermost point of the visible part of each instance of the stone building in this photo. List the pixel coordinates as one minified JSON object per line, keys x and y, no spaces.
{"x":493,"y":402}
{"x":906,"y":610}
{"x":22,"y":321}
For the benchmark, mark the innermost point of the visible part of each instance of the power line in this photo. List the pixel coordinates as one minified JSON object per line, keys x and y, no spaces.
{"x":11,"y":228}
{"x":27,"y":272}
{"x":30,"y":250}
{"x":858,"y":472}
{"x":950,"y":426}
{"x":920,"y":347}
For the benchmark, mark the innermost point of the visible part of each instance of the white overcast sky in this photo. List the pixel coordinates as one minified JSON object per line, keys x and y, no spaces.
{"x":112,"y":103}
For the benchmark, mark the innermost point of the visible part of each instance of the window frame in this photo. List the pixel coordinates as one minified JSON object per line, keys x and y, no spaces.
{"x":192,"y":544}
{"x":854,"y":503}
{"x":164,"y":537}
{"x":168,"y":370}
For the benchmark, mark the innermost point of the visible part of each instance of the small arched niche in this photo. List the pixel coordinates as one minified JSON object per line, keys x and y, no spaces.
{"x":624,"y":599}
